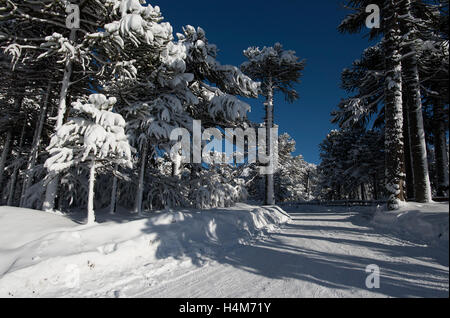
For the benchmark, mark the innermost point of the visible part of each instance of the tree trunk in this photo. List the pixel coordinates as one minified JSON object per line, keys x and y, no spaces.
{"x":140,"y":188}
{"x":91,"y":212}
{"x":440,"y":149}
{"x":62,"y":106}
{"x":422,"y":186}
{"x":112,"y":206}
{"x":176,"y":164}
{"x":35,"y":147}
{"x":395,"y":168}
{"x":307,"y":185}
{"x":363,"y":192}
{"x":375,"y":187}
{"x":52,"y":187}
{"x":270,"y":196}
{"x":9,"y":137}
{"x":408,"y":162}
{"x":5,"y":153}
{"x":12,"y":187}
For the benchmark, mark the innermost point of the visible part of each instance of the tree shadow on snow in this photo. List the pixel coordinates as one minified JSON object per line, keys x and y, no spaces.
{"x":335,"y":270}
{"x":327,"y":265}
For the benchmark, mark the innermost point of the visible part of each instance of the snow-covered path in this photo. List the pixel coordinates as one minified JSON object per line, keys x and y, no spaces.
{"x":319,"y":254}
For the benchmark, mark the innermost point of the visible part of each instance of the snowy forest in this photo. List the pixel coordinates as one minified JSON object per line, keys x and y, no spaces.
{"x":91,"y":91}
{"x":396,"y":119}
{"x":92,"y":108}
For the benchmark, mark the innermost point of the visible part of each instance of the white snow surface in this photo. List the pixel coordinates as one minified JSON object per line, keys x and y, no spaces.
{"x":244,"y":251}
{"x":48,"y":255}
{"x":420,"y":222}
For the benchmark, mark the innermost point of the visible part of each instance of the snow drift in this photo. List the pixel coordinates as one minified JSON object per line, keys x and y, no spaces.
{"x":421,"y":222}
{"x":44,"y":254}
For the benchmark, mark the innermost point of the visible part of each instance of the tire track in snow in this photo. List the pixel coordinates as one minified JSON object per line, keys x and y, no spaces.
{"x":316,"y":255}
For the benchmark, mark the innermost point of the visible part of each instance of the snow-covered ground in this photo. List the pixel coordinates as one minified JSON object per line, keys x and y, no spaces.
{"x":43,"y":254}
{"x":419,"y":222}
{"x":245,"y":251}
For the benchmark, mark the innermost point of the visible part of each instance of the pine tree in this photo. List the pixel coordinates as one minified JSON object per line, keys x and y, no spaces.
{"x":352,"y":160}
{"x":292,"y":179}
{"x":422,"y":187}
{"x":154,"y":101}
{"x":419,"y":23}
{"x":93,"y":135}
{"x":37,"y":31}
{"x":395,"y":169}
{"x":433,"y":65}
{"x":393,"y":47}
{"x":364,"y":81}
{"x":277,"y":70}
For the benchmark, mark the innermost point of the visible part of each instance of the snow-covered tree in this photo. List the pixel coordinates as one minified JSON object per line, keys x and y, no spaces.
{"x":401,"y":21}
{"x":292,"y":176}
{"x":278,"y":70}
{"x":215,"y":85}
{"x":183,"y":82}
{"x":77,"y":58}
{"x":122,"y":48}
{"x":352,"y":161}
{"x":154,"y":102}
{"x":364,"y":81}
{"x":409,"y":49}
{"x":11,"y":102}
{"x":294,"y":180}
{"x":433,"y":66}
{"x":395,"y":169}
{"x":218,"y":185}
{"x":93,"y":135}
{"x":420,"y":28}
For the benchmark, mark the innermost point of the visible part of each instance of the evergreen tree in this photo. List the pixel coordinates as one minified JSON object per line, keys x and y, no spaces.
{"x":278,"y":70}
{"x":405,"y":23}
{"x":293,"y":180}
{"x":93,"y":135}
{"x":352,"y":161}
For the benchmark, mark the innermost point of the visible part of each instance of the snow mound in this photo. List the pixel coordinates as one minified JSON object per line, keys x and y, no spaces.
{"x":424,"y":222}
{"x":43,"y":254}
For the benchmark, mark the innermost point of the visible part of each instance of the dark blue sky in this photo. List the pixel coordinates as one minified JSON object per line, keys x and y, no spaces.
{"x":308,"y":27}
